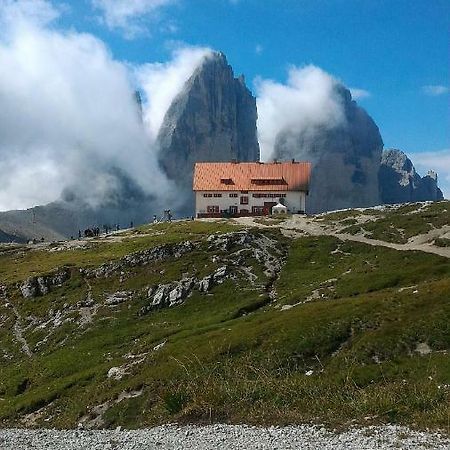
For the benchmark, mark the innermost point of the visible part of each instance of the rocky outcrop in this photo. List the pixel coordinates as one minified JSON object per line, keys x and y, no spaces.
{"x":345,"y":157}
{"x":141,"y":258}
{"x":400,"y":183}
{"x":212,"y":119}
{"x":38,"y":286}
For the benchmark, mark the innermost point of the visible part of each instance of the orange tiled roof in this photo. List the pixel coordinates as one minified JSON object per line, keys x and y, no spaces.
{"x":252,"y":176}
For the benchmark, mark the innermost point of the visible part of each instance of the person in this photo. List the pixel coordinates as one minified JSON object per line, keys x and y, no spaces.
{"x":169,"y":215}
{"x":79,"y":234}
{"x":155,"y":219}
{"x":131,"y":224}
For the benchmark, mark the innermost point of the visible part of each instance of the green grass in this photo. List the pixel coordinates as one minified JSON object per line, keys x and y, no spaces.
{"x":398,"y":225}
{"x":19,"y":265}
{"x":232,"y":355}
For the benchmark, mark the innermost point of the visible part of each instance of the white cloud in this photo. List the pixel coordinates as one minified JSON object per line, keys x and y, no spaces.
{"x":25,"y":12}
{"x":358,"y":94}
{"x":259,"y":49}
{"x":131,"y":17}
{"x":68,"y":117}
{"x":307,"y":100}
{"x":161,"y":82}
{"x":435,"y":90}
{"x":439,"y":161}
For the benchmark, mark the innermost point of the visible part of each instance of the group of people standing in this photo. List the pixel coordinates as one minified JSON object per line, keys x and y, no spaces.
{"x":95,"y":231}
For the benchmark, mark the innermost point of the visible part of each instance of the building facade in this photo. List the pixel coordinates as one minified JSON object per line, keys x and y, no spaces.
{"x":250,"y":189}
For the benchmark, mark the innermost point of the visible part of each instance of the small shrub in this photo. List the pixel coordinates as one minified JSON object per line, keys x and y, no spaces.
{"x":174,"y":402}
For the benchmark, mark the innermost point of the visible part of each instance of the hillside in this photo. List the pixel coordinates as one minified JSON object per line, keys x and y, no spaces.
{"x":339,"y":318}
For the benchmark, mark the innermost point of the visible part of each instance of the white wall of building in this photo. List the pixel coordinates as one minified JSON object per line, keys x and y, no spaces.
{"x":294,"y":200}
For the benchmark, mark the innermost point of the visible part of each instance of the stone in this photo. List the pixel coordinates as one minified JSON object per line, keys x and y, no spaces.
{"x":37,"y":286}
{"x":117,"y":297}
{"x":117,"y":373}
{"x":29,"y":288}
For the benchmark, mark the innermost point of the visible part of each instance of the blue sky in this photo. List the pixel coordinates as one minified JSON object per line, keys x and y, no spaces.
{"x":392,"y":49}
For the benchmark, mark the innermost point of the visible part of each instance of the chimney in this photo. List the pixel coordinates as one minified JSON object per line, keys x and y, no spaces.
{"x":293,"y":160}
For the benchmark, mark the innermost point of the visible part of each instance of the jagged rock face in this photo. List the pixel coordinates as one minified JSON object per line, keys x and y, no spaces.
{"x":212,"y":119}
{"x":400,"y":183}
{"x":345,"y":158}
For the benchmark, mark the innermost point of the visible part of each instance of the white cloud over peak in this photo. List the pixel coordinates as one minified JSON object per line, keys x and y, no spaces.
{"x":161,"y":82}
{"x":439,"y":161}
{"x":308,"y":99}
{"x":358,"y":94}
{"x":435,"y":89}
{"x":131,"y":17}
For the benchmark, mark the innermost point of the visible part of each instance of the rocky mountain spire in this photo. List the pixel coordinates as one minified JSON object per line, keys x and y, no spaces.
{"x":400,"y":183}
{"x":212,"y":119}
{"x":345,"y":157}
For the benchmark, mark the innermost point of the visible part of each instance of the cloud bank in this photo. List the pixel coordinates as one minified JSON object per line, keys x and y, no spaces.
{"x":69,"y":121}
{"x":307,"y":100}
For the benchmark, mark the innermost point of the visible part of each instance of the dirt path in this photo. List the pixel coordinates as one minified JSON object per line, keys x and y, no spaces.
{"x":304,"y":225}
{"x":18,"y":334}
{"x":17,"y":328}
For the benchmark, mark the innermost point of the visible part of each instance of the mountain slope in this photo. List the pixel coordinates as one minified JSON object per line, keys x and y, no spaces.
{"x":219,"y":321}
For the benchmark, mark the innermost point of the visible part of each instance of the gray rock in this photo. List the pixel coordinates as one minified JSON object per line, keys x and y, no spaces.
{"x":212,"y":119}
{"x":220,"y":274}
{"x":117,"y":298}
{"x":30,"y":288}
{"x":205,"y":284}
{"x":37,"y":286}
{"x":142,"y":258}
{"x":345,"y":158}
{"x":400,"y":183}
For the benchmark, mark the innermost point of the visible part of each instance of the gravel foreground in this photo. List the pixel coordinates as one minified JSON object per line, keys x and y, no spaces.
{"x":224,"y":437}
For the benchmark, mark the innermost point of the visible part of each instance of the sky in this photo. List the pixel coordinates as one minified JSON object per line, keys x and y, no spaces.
{"x":392,"y":54}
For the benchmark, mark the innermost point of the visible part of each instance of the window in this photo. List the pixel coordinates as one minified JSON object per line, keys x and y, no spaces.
{"x":207,"y":195}
{"x":267,"y":181}
{"x":233,"y":195}
{"x":257,"y":209}
{"x":270,"y":195}
{"x":233,"y":209}
{"x":244,"y":200}
{"x":217,"y":195}
{"x":212,"y":209}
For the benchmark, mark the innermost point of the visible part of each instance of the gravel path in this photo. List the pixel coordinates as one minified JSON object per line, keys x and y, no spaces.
{"x":224,"y":437}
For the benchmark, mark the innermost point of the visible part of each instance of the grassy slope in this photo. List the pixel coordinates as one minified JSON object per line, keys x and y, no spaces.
{"x":348,"y":354}
{"x":397,"y":224}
